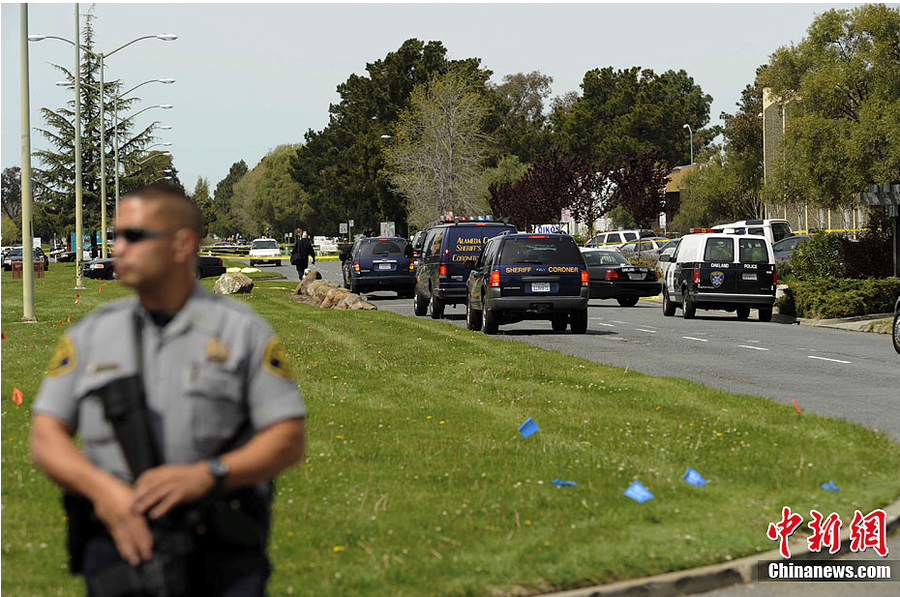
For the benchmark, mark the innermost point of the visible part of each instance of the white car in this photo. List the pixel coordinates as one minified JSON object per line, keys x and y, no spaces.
{"x":773,"y":230}
{"x":264,"y":250}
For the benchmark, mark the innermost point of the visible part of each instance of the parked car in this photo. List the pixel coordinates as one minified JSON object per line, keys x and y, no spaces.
{"x":441,"y":273}
{"x":265,"y":250}
{"x":612,"y":276}
{"x":773,"y":230}
{"x":417,"y":245}
{"x":528,"y":276}
{"x":616,"y":238}
{"x":720,"y":271}
{"x":15,"y":254}
{"x":783,"y":248}
{"x":223,"y":247}
{"x":379,"y":263}
{"x":645,"y":247}
{"x":100,"y":269}
{"x":69,"y":256}
{"x":208,"y":265}
{"x":896,"y":331}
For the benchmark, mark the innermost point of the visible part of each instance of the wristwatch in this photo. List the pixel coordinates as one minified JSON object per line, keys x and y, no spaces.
{"x":219,"y":471}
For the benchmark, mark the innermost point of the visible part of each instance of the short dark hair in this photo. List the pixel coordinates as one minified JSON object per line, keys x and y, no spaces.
{"x":172,"y":205}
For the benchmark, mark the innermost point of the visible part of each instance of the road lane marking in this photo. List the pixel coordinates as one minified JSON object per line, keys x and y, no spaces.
{"x":752,"y":347}
{"x":692,"y":338}
{"x":832,"y":360}
{"x":609,"y":325}
{"x":622,"y":322}
{"x":648,"y":331}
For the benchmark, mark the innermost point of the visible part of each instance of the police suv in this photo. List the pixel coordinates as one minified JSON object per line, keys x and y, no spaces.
{"x":528,"y":276}
{"x":720,"y":271}
{"x":441,"y":270}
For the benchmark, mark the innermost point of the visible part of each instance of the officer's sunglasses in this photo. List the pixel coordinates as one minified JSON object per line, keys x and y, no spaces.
{"x":136,"y":235}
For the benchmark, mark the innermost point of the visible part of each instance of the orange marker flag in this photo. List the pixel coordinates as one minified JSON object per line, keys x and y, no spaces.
{"x":17,"y":395}
{"x":77,"y":295}
{"x":99,"y":289}
{"x":796,"y":407}
{"x":76,"y":301}
{"x":104,"y":285}
{"x":69,"y":319}
{"x":2,"y":336}
{"x":60,"y":322}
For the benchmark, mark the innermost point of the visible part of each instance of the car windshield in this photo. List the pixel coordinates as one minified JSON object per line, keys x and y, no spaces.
{"x":593,"y":258}
{"x":540,"y":251}
{"x":264,"y":244}
{"x":382,"y":248}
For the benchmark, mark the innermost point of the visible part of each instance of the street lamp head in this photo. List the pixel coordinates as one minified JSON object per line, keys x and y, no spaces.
{"x":37,"y":37}
{"x":687,"y":126}
{"x":385,"y":136}
{"x":165,"y":106}
{"x":167,"y":37}
{"x":165,"y":127}
{"x":166,"y":144}
{"x":166,"y":81}
{"x":65,"y":84}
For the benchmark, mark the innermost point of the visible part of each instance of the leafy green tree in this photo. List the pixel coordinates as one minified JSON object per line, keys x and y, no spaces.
{"x":522,"y":128}
{"x":246,"y":222}
{"x":620,"y":218}
{"x":12,"y":195}
{"x":508,"y":169}
{"x":342,"y":167}
{"x":632,"y":112}
{"x":435,"y":156}
{"x":203,"y":201}
{"x":54,"y":181}
{"x":279,"y":202}
{"x":841,"y":90}
{"x":223,"y":225}
{"x":9,"y":230}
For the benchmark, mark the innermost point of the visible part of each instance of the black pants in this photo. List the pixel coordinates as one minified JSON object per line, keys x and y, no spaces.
{"x":220,"y":574}
{"x":301,"y":267}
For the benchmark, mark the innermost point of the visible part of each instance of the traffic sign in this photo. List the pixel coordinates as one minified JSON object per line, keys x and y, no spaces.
{"x":342,"y":228}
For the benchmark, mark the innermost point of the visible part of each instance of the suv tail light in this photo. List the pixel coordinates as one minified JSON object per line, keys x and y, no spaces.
{"x":585,"y":280}
{"x":356,"y":266}
{"x":412,"y":264}
{"x":220,"y":261}
{"x":442,"y":270}
{"x":775,"y":277}
{"x":696,"y":275}
{"x":611,"y":274}
{"x":494,"y":281}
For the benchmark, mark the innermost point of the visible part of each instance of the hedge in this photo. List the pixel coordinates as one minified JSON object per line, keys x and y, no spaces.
{"x":830,"y":298}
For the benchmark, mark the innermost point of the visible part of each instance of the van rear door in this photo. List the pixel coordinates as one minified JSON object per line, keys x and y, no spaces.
{"x":756,"y":271}
{"x":718,"y":272}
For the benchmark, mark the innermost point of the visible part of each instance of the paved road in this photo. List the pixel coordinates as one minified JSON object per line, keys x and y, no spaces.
{"x":832,"y":372}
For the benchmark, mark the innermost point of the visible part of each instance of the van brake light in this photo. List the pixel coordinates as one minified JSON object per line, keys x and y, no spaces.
{"x":442,"y":270}
{"x":696,"y":275}
{"x":494,"y":281}
{"x":585,"y":280}
{"x":611,"y":274}
{"x":356,"y":266}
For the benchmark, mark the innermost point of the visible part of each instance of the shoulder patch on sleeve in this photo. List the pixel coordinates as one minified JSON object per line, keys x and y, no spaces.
{"x":64,"y":360}
{"x":275,"y":359}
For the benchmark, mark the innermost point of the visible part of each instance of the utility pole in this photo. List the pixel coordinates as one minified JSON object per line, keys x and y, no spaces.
{"x":27,"y":233}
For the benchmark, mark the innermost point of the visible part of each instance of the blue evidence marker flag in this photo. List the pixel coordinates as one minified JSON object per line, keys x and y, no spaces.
{"x":694,"y":478}
{"x":558,"y":481}
{"x":830,"y":486}
{"x":528,"y":427}
{"x":638,"y":492}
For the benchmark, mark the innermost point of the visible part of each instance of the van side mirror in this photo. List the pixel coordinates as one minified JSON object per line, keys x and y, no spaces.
{"x":665,"y":257}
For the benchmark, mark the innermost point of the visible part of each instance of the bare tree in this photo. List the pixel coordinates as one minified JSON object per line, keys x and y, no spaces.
{"x":435,"y":157}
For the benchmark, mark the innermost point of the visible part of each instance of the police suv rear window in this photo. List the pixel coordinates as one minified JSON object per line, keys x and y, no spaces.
{"x":753,"y":250}
{"x":719,"y":249}
{"x":539,"y":251}
{"x":593,"y":258}
{"x":381,"y":248}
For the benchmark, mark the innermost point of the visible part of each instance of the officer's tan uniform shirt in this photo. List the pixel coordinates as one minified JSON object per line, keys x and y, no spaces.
{"x":214,"y":376}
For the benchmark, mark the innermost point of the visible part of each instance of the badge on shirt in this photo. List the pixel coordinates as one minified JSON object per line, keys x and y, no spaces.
{"x":275,"y":359}
{"x":216,"y":350}
{"x":64,"y":359}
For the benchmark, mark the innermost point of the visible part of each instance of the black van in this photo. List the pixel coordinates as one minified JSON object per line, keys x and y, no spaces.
{"x":441,"y":273}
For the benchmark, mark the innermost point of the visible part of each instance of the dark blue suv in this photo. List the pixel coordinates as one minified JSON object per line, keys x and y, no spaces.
{"x":528,"y":276}
{"x":382,"y":263}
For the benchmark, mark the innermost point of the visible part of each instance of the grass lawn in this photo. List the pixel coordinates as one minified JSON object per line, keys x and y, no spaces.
{"x":416,"y":481}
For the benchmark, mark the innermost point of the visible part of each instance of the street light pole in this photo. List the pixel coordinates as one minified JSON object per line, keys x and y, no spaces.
{"x":79,"y":246}
{"x":691,"y":131}
{"x":163,"y":106}
{"x":27,"y":233}
{"x":104,"y":251}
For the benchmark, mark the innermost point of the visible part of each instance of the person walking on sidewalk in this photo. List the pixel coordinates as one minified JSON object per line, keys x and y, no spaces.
{"x":303,"y":250}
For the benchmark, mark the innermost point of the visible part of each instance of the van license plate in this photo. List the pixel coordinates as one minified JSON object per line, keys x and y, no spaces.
{"x":635,"y":276}
{"x":751,"y":277}
{"x":384,"y":266}
{"x":540,"y":287}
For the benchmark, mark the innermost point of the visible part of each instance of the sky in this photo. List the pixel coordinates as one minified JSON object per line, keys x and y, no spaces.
{"x":250,"y":77}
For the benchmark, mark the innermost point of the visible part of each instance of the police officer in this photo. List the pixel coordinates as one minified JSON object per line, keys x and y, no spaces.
{"x":223,"y":408}
{"x":301,"y":253}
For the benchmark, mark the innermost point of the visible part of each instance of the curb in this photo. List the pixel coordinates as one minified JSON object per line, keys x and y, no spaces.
{"x":717,"y":576}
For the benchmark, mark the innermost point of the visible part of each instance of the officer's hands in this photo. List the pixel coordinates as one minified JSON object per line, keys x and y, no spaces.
{"x":166,"y":486}
{"x":128,"y":529}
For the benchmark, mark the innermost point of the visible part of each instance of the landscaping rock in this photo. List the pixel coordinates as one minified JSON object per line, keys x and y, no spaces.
{"x":348,"y":301}
{"x":233,"y":283}
{"x":362,"y":305}
{"x":310,"y":277}
{"x":334,"y":296}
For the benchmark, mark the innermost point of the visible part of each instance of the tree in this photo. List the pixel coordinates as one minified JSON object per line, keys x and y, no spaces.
{"x":631,"y":112}
{"x":522,"y":128}
{"x":54,"y":181}
{"x":9,"y":230}
{"x":435,"y":157}
{"x":640,"y":187}
{"x":342,"y":167}
{"x":508,"y":169}
{"x":12,"y":193}
{"x":841,"y":90}
{"x":203,"y":201}
{"x":246,"y":222}
{"x":279,"y":202}
{"x":223,"y":225}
